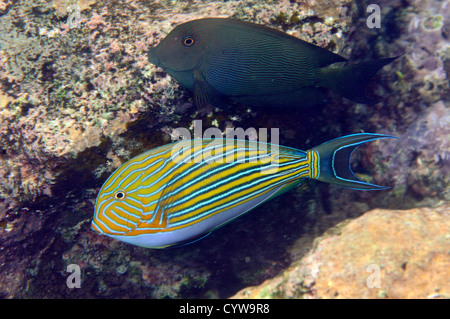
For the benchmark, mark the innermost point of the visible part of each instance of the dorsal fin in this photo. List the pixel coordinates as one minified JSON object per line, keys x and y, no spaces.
{"x":321,"y":57}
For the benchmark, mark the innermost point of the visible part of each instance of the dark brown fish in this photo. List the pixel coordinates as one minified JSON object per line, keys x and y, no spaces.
{"x":256,"y":65}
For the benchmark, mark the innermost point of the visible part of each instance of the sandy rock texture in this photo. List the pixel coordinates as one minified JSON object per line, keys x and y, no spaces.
{"x":382,"y":254}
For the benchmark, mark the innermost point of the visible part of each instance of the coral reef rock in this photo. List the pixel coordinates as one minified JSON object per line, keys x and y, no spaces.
{"x":78,"y":98}
{"x":382,"y":254}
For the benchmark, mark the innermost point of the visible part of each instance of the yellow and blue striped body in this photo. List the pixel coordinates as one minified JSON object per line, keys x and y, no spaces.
{"x":180,"y":191}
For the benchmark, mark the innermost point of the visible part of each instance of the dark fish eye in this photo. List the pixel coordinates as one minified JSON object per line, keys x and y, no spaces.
{"x":119,"y":195}
{"x":188,"y":41}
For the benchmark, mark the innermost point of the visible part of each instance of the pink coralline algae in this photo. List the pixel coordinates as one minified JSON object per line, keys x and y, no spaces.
{"x":78,"y":98}
{"x":419,"y":112}
{"x":425,"y":146}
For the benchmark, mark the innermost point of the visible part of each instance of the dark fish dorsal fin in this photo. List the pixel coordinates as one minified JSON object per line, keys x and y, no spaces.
{"x":320,"y":56}
{"x":324,"y":57}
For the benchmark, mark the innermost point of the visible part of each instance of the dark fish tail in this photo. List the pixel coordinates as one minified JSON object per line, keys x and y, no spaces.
{"x":334,"y":163}
{"x":351,"y":81}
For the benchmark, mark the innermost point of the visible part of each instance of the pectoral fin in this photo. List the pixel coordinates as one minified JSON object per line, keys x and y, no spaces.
{"x":164,"y":206}
{"x":204,"y":94}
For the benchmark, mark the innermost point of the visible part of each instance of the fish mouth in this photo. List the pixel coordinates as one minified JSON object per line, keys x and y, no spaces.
{"x":95,"y":228}
{"x":195,"y":67}
{"x":155,"y":60}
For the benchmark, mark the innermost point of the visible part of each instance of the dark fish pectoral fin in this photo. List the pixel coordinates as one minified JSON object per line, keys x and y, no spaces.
{"x":335,"y":160}
{"x":204,"y":94}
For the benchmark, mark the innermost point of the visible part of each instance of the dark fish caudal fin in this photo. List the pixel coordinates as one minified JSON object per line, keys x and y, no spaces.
{"x":335,"y":160}
{"x":350,"y":81}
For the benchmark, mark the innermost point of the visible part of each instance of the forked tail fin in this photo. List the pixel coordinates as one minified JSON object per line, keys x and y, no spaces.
{"x":351,"y":81}
{"x":334,"y":163}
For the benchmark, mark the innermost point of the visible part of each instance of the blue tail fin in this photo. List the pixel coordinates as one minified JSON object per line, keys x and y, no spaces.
{"x":334,"y":163}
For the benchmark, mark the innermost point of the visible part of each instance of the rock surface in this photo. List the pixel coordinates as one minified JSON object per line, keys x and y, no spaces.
{"x":382,"y":254}
{"x":78,"y":98}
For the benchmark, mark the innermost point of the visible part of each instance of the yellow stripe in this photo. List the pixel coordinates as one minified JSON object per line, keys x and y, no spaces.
{"x":316,"y":164}
{"x":128,"y":177}
{"x":224,"y":188}
{"x":141,"y":232}
{"x":214,"y":204}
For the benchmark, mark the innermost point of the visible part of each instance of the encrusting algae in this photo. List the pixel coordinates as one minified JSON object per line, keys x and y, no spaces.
{"x":68,"y":104}
{"x":79,"y":98}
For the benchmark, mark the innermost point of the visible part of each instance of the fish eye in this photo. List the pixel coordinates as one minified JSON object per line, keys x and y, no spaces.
{"x":188,"y":41}
{"x":119,"y":195}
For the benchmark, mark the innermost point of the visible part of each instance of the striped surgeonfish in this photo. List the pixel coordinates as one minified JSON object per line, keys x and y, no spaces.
{"x":178,"y":192}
